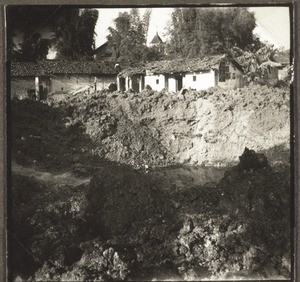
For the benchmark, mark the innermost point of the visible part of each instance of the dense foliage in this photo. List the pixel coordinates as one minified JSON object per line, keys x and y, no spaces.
{"x":38,"y":28}
{"x":127,"y":39}
{"x":74,"y":34}
{"x":26,"y":22}
{"x":207,"y":31}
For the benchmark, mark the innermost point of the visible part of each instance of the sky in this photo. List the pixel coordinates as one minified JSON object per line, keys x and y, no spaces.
{"x":158,"y":22}
{"x":273,"y":24}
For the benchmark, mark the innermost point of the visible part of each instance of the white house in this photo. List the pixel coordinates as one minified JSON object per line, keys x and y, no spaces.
{"x":173,"y":75}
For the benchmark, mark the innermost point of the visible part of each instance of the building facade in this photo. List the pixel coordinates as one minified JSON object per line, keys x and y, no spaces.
{"x":47,"y":77}
{"x":198,"y":74}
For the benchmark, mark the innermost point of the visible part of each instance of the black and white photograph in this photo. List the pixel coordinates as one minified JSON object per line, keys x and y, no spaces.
{"x":150,"y":143}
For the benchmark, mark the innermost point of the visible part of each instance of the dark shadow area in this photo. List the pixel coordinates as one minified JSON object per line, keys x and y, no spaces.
{"x":279,"y":154}
{"x":52,"y":222}
{"x":42,"y":137}
{"x":43,"y":218}
{"x":113,"y":222}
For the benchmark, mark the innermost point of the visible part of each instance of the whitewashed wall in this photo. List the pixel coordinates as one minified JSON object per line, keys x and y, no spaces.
{"x":151,"y":81}
{"x":67,"y":83}
{"x":204,"y":80}
{"x":104,"y":82}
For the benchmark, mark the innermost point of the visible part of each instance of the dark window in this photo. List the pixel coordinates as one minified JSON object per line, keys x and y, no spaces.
{"x":233,"y":76}
{"x":194,"y":78}
{"x":224,"y":72}
{"x":157,"y":81}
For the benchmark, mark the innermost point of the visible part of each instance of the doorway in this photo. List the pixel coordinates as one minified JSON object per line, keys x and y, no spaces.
{"x":122,"y":83}
{"x":178,"y":83}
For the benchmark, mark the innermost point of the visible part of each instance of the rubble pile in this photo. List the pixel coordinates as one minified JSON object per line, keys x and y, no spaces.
{"x":124,"y":225}
{"x":84,"y":186}
{"x":237,"y":239}
{"x":199,"y":128}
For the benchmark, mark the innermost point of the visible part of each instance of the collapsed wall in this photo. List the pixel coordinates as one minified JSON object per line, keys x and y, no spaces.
{"x":199,"y":128}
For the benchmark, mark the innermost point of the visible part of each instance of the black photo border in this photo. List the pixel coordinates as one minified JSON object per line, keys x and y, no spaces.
{"x":295,"y":108}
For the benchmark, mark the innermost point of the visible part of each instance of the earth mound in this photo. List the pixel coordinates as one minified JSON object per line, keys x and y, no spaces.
{"x":199,"y":128}
{"x":124,"y":225}
{"x":76,"y":189}
{"x":119,"y":196}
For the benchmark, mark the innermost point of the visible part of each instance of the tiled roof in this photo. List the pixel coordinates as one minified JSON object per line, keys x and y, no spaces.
{"x":133,"y":70}
{"x":185,"y":65}
{"x":179,"y":65}
{"x":25,"y":69}
{"x":61,"y":67}
{"x":156,"y":39}
{"x":282,"y":57}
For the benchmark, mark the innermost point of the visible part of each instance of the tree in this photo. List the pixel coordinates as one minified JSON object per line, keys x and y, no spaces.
{"x":153,"y":54}
{"x":127,"y":39}
{"x":74,"y":35}
{"x":34,"y":48}
{"x":28,"y":22}
{"x":255,"y":64}
{"x":146,"y":21}
{"x":206,"y":31}
{"x":72,"y":28}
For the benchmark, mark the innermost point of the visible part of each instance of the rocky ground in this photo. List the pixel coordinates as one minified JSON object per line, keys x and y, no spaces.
{"x":208,"y":127}
{"x":90,"y":201}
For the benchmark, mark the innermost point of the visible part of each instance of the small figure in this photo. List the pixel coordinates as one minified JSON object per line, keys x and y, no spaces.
{"x":117,"y":67}
{"x":31,"y":94}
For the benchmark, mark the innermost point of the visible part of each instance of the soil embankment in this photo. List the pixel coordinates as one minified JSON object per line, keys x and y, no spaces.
{"x":87,"y":185}
{"x":207,"y":127}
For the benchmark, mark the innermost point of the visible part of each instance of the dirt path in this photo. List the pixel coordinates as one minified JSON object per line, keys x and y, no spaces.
{"x":62,"y":179}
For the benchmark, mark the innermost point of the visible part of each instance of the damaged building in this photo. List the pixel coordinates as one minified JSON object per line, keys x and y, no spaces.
{"x":173,"y":75}
{"x":52,"y":76}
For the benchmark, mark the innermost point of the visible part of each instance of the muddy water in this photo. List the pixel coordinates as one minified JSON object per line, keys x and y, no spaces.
{"x":47,"y":177}
{"x":180,"y":178}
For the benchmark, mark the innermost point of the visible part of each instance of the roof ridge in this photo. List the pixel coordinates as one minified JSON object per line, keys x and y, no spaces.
{"x":156,"y":39}
{"x":44,"y":67}
{"x":181,"y":65}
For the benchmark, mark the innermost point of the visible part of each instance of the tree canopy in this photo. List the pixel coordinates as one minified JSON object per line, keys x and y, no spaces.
{"x":128,"y":38}
{"x":72,"y":32}
{"x":27,"y":21}
{"x":193,"y":32}
{"x":74,"y":35}
{"x":207,"y":31}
